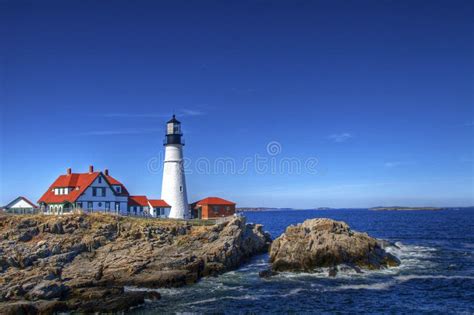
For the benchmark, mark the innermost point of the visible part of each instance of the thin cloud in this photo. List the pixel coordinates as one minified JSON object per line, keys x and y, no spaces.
{"x":130,"y":115}
{"x":340,"y":137}
{"x":180,"y":113}
{"x":392,"y":164}
{"x":190,"y":112}
{"x":117,"y":132}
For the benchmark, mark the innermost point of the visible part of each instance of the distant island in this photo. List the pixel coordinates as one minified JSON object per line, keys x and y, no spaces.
{"x":405,"y":208}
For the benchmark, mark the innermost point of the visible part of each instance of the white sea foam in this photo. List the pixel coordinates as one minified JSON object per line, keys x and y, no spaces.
{"x":252,"y":297}
{"x":373,"y":286}
{"x":412,"y":277}
{"x":293,"y":292}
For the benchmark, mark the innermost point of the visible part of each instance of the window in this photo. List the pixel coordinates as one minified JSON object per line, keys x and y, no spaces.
{"x":181,"y":188}
{"x":89,"y":205}
{"x":79,"y":205}
{"x":162,"y":211}
{"x":107,"y":206}
{"x":117,"y":188}
{"x":94,"y":191}
{"x":100,"y":179}
{"x":103,"y":192}
{"x":215,"y":209}
{"x":227,"y":208}
{"x":100,"y":204}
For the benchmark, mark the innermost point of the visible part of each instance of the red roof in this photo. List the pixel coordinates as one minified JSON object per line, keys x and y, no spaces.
{"x":159,"y":203}
{"x":215,"y":201}
{"x":138,"y":201}
{"x":113,"y":181}
{"x":79,"y":183}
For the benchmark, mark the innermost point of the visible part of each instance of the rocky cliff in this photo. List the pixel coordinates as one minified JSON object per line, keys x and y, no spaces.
{"x":327,"y":243}
{"x":84,"y":262}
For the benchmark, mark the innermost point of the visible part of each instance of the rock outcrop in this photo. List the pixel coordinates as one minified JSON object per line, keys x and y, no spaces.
{"x":327,"y":243}
{"x":85,"y":262}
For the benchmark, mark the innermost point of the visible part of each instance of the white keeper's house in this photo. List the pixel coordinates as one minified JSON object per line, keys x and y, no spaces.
{"x":97,"y":191}
{"x":21,"y":205}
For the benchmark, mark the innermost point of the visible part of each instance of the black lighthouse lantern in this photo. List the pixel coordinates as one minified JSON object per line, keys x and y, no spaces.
{"x":173,"y":132}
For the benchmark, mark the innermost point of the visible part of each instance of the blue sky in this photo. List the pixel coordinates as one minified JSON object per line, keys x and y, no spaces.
{"x":378,"y":94}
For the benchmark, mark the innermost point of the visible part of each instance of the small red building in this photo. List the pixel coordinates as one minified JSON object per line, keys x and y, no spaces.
{"x":212,"y":207}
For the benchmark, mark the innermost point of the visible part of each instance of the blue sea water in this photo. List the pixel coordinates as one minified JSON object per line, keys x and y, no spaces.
{"x":436,"y":276}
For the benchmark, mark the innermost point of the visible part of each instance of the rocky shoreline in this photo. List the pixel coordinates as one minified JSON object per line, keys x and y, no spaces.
{"x":83,"y":262}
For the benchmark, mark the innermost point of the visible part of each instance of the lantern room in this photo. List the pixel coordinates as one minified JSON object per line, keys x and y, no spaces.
{"x":173,"y":132}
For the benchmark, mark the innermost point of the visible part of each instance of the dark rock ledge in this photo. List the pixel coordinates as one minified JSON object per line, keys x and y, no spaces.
{"x":83,"y":262}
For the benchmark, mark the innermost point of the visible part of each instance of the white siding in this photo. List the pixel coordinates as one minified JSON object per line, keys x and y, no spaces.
{"x":98,"y":202}
{"x":21,"y":203}
{"x":174,"y":184}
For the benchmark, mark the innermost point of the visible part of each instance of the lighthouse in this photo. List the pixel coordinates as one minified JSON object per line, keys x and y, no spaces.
{"x":173,"y":188}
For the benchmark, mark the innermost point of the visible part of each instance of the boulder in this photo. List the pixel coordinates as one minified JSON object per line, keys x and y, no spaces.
{"x":46,"y":290}
{"x":327,"y":243}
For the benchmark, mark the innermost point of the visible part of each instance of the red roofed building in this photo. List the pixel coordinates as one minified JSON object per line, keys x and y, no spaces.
{"x":212,"y":207}
{"x":92,"y":191}
{"x":159,"y":208}
{"x":97,"y":191}
{"x":21,"y":205}
{"x":142,"y":206}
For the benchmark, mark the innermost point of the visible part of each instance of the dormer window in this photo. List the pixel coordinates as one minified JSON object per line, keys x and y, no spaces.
{"x":100,"y":179}
{"x":118,"y":189}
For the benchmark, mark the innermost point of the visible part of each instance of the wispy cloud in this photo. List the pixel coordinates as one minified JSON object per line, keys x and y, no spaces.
{"x":189,"y":112}
{"x":392,"y":164}
{"x":340,"y":137}
{"x":180,"y":113}
{"x":115,"y":132}
{"x":133,"y":115}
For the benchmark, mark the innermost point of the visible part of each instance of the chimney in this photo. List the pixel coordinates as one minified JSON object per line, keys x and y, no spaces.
{"x":106,"y":172}
{"x":91,"y":169}
{"x":69,"y":171}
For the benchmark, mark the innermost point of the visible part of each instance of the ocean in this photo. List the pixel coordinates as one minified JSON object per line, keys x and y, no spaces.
{"x":436,"y":275}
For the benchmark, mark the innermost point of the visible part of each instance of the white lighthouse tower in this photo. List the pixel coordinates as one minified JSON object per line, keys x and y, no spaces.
{"x":173,"y":188}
